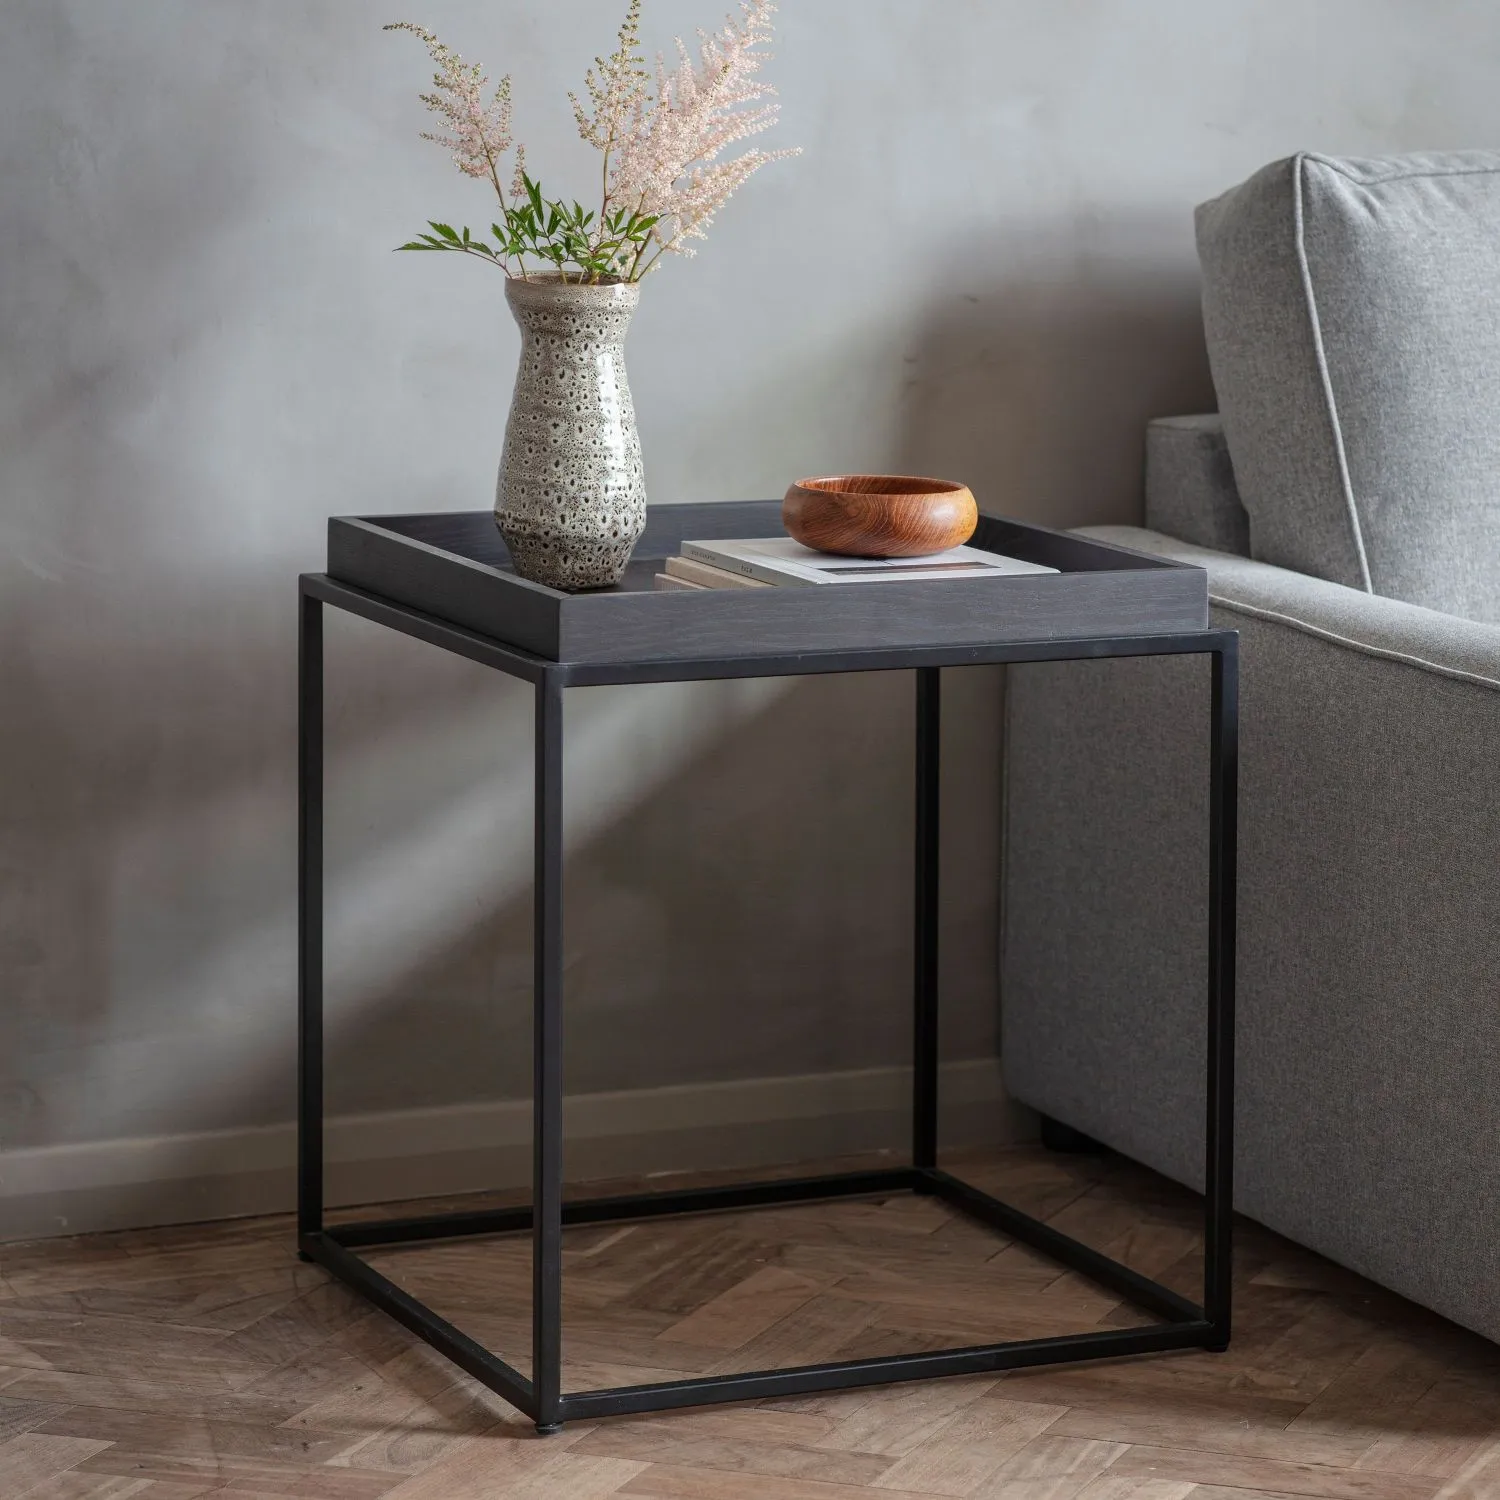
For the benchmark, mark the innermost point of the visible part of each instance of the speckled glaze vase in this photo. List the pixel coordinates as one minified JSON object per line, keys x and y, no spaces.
{"x":571,"y":501}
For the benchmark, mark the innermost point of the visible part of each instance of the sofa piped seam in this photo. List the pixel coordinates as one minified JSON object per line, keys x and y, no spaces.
{"x":1321,"y":355}
{"x":1415,"y":174}
{"x":1365,"y":648}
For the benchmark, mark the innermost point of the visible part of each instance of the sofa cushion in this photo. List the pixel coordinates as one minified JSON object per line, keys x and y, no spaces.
{"x":1353,"y":316}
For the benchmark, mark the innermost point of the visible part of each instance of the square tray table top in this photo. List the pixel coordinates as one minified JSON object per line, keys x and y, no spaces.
{"x":455,"y":567}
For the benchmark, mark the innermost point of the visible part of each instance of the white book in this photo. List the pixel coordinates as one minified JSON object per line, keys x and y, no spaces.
{"x":780,"y":560}
{"x":666,"y":581}
{"x":709,"y":577}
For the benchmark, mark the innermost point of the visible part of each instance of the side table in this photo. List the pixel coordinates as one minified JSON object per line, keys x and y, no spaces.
{"x":445,"y":580}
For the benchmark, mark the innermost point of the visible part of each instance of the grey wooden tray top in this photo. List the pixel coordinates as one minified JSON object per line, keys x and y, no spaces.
{"x":455,"y":567}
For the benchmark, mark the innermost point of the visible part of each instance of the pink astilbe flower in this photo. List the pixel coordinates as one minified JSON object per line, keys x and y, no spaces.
{"x":664,"y":176}
{"x":481,"y":133}
{"x":617,"y":89}
{"x":665,"y":156}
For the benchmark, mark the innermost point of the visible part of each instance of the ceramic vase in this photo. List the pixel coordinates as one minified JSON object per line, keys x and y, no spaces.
{"x":571,"y":499}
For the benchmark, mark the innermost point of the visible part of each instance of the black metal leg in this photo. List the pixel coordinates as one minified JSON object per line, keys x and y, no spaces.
{"x":547,"y":1171}
{"x":1219,"y":1156}
{"x":925,"y":978}
{"x":310,"y":917}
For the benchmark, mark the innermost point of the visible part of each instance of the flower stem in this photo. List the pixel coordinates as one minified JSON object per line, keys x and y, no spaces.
{"x":640,"y":249}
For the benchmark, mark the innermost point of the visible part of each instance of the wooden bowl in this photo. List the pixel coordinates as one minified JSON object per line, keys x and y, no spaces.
{"x":879,"y":515}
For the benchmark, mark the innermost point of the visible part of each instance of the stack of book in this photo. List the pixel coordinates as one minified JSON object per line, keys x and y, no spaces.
{"x":779,"y":562}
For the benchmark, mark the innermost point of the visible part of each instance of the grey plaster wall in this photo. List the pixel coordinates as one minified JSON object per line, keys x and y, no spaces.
{"x":982,"y":267}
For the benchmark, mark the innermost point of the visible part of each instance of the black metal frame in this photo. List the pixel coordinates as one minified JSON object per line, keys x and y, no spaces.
{"x":1185,"y":1324}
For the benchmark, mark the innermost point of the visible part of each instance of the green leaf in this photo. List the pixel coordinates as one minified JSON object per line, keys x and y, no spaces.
{"x":446,"y":230}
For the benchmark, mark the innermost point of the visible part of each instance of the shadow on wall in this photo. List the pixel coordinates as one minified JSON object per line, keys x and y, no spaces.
{"x":740,"y":860}
{"x":149,"y":535}
{"x":747,"y":914}
{"x":148,"y":857}
{"x":1035,"y":387}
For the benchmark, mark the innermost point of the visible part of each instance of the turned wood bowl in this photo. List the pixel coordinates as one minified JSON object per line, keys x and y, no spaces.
{"x":879,"y":515}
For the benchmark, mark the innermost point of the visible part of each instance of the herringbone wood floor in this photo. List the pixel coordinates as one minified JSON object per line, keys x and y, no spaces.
{"x":171,"y":1364}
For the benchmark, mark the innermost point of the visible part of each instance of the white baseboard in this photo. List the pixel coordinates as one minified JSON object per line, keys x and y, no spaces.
{"x":371,"y":1158}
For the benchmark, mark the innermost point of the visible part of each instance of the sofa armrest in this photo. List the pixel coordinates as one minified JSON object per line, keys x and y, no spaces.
{"x":1385,"y":629}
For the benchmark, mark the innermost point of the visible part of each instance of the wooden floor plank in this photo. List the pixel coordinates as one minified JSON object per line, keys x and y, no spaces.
{"x":31,"y":1459}
{"x":663,"y":1482}
{"x":1117,"y":1487}
{"x":1204,"y":1466}
{"x":748,"y":1308}
{"x":664,"y":1442}
{"x":896,"y":1420}
{"x":484,"y":1468}
{"x":1171,"y":1428}
{"x":969,"y":1449}
{"x":1054,"y":1466}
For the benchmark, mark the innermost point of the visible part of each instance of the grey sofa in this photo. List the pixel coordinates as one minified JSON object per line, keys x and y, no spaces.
{"x":1346,"y":506}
